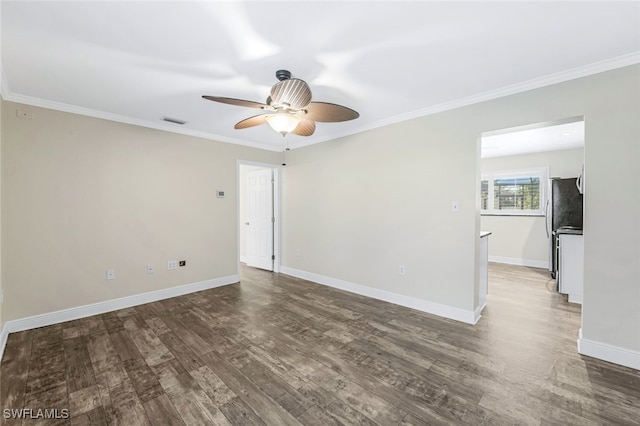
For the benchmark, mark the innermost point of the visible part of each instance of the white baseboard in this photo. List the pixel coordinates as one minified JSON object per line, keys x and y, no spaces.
{"x":4,"y":333}
{"x":521,"y":262}
{"x":478,"y":313}
{"x":469,"y":317}
{"x":609,"y":353}
{"x":574,"y":298}
{"x":57,"y":317}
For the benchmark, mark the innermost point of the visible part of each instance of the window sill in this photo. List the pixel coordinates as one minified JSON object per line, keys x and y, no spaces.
{"x":513,"y":214}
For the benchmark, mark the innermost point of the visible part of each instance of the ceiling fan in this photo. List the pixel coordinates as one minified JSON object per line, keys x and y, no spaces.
{"x":289,"y":108}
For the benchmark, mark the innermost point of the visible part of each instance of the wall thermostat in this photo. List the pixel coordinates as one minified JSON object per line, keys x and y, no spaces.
{"x":220,"y":193}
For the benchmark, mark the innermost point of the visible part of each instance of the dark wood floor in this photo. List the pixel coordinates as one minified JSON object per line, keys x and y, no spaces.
{"x":276,"y":350}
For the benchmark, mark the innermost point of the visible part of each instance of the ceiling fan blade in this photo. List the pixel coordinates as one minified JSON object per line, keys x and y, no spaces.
{"x":305,"y":128}
{"x":294,"y":92}
{"x":328,"y":113}
{"x":238,"y":102}
{"x":256,"y":120}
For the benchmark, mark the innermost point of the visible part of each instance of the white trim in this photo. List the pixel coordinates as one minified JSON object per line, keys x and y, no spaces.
{"x":57,"y":317}
{"x":533,"y":126}
{"x":541,"y":172}
{"x":4,"y":86}
{"x":150,"y":124}
{"x":277,"y":228}
{"x":548,"y":80}
{"x":574,"y":298}
{"x":4,"y":334}
{"x":462,"y":315}
{"x":544,"y":264}
{"x":478,"y":313}
{"x":609,"y":353}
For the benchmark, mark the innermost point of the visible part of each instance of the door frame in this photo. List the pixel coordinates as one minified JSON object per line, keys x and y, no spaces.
{"x":534,"y":125}
{"x":241,"y":186}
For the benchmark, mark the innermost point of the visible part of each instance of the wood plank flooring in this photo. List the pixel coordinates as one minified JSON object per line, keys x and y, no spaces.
{"x":275,"y":350}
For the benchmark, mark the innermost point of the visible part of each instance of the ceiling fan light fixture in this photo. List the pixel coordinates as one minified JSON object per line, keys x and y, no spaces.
{"x":283,"y":122}
{"x":291,"y":108}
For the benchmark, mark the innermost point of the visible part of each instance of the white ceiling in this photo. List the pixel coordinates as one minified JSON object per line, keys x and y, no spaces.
{"x":552,"y":137}
{"x":140,"y":61}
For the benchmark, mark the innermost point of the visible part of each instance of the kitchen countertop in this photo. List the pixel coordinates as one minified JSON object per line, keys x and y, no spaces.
{"x":569,"y":230}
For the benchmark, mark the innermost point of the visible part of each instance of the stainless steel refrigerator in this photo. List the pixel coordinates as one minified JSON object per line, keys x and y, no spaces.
{"x":563,"y":210}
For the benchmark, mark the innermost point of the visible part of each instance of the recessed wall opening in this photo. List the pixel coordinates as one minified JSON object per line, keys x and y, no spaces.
{"x":531,"y":199}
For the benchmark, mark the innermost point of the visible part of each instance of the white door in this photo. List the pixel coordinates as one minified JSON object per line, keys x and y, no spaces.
{"x":260,"y":219}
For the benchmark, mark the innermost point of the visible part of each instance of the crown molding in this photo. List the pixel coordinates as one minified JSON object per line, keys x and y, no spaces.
{"x":536,"y":83}
{"x":73,"y":109}
{"x":4,"y":86}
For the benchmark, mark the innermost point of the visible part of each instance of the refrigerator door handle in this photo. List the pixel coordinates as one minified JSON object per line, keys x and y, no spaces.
{"x":579,"y":184}
{"x":546,"y":218}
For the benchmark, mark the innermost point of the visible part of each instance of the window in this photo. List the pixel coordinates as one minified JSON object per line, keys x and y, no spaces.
{"x":484,"y":195}
{"x":516,"y":192}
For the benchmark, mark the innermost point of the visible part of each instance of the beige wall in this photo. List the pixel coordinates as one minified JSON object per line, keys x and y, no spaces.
{"x":611,"y":306}
{"x":523,"y":239}
{"x":1,"y":220}
{"x":81,"y":195}
{"x":357,"y":207}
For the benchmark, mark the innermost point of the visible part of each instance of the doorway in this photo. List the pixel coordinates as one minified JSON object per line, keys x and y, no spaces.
{"x":519,"y":170}
{"x":516,"y":166}
{"x":259,"y":215}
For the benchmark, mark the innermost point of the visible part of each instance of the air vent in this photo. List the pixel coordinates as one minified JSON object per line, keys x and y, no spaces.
{"x":174,"y":120}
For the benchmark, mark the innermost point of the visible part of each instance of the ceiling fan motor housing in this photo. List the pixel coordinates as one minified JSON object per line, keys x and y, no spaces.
{"x":283,"y":75}
{"x":289,"y":107}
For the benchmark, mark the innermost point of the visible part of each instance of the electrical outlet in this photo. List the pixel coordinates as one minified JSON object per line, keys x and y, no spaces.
{"x":402,"y":270}
{"x":182,"y":263}
{"x":111,"y":274}
{"x":172,"y":264}
{"x":149,"y":268}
